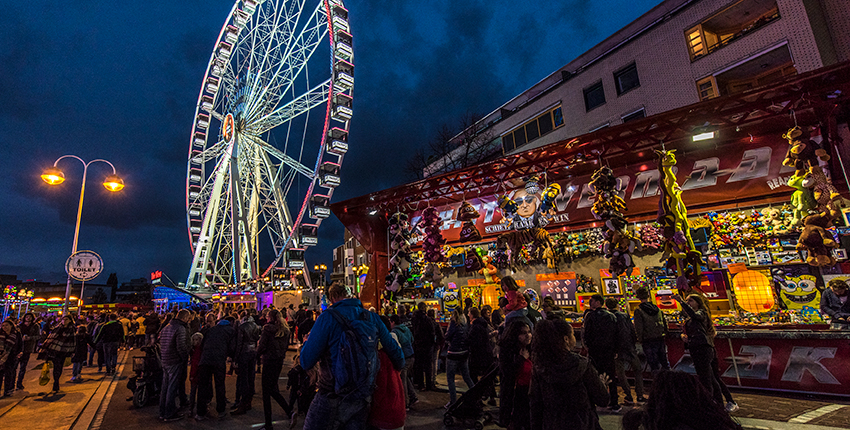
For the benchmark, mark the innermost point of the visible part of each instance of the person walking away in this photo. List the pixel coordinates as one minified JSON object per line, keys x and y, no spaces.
{"x":626,"y":353}
{"x":30,"y":334}
{"x":699,"y":340}
{"x":219,"y":343}
{"x":457,"y":358}
{"x":302,"y":387}
{"x":247,"y":336}
{"x":151,"y":328}
{"x":305,"y":324}
{"x":139,"y":341}
{"x":290,"y":320}
{"x":82,"y":340}
{"x":481,"y":349}
{"x":439,"y":341}
{"x":174,"y":343}
{"x":651,"y":331}
{"x":678,"y":400}
{"x":98,"y":344}
{"x":515,"y":360}
{"x":600,"y":339}
{"x":405,"y":339}
{"x":272,"y":347}
{"x":125,"y":341}
{"x":344,"y":344}
{"x":565,"y":388}
{"x":111,"y":335}
{"x":10,"y":347}
{"x":58,"y":346}
{"x":423,"y":345}
{"x":194,"y":361}
{"x":388,"y":410}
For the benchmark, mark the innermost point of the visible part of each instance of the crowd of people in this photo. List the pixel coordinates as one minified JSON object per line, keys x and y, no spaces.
{"x":354,"y":368}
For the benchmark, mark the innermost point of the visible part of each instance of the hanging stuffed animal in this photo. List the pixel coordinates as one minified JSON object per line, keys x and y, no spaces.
{"x":399,"y":234}
{"x":673,"y":217}
{"x":606,"y":202}
{"x":825,"y":194}
{"x":547,"y":202}
{"x":434,"y":241}
{"x":473,"y":261}
{"x":817,"y":241}
{"x":608,"y":206}
{"x":802,"y":200}
{"x":508,"y":207}
{"x":802,"y":154}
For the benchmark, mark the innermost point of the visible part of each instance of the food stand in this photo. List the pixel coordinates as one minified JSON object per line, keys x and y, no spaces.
{"x":533,"y":217}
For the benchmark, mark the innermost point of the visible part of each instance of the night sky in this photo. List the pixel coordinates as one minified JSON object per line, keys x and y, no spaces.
{"x":119,"y":80}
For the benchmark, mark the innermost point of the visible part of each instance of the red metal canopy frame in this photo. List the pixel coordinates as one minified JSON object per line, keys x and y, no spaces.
{"x":818,"y":98}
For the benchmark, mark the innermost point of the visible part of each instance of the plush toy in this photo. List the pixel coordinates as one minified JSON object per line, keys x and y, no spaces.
{"x":825,"y":194}
{"x":434,"y":274}
{"x":473,"y":261}
{"x":467,"y":212}
{"x":490,"y":272}
{"x":774,"y":221}
{"x":508,"y":207}
{"x":817,"y":241}
{"x":549,"y":256}
{"x":673,"y":217}
{"x":434,"y":241}
{"x":547,"y":203}
{"x":802,"y":200}
{"x":802,"y":154}
{"x":469,"y":232}
{"x":606,"y":202}
{"x":399,"y":234}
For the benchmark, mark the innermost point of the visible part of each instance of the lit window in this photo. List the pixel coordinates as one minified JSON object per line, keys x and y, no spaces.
{"x":626,"y":78}
{"x":594,"y":96}
{"x":707,"y":88}
{"x":696,"y":42}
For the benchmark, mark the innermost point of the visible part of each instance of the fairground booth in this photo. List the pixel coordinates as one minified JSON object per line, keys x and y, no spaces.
{"x":740,"y":198}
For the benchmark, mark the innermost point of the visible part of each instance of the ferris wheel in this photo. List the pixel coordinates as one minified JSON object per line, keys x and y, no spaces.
{"x":269,"y":135}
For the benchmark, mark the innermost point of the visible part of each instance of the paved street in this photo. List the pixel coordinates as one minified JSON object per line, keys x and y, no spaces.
{"x":102,"y":403}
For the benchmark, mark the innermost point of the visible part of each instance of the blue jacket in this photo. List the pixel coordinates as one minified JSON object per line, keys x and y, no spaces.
{"x":322,"y":346}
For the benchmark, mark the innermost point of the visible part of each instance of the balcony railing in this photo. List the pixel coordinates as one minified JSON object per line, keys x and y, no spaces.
{"x":755,"y":25}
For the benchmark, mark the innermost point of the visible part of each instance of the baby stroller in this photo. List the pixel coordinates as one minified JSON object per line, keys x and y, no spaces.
{"x":469,"y":408}
{"x":147,"y":380}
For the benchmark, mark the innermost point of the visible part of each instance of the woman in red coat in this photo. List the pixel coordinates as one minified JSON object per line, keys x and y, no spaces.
{"x":388,"y":408}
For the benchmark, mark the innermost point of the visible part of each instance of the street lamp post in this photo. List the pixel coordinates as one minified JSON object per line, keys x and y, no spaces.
{"x":54,"y":176}
{"x":321,"y":268}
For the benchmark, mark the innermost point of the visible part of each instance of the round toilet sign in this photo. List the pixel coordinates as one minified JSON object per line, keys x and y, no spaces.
{"x":84,"y":265}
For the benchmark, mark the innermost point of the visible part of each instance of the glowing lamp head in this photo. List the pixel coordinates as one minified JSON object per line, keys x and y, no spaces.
{"x":53,"y":176}
{"x":113,"y":183}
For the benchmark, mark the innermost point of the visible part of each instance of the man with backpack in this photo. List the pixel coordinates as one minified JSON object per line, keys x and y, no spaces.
{"x":405,"y":339}
{"x":600,"y":338}
{"x":626,"y":353}
{"x":343,"y":342}
{"x":650,"y":330}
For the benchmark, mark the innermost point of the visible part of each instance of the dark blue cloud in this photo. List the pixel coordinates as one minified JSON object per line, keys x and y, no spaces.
{"x":119,"y":80}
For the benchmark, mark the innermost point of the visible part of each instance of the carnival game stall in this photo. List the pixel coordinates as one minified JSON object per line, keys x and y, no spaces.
{"x":740,"y":198}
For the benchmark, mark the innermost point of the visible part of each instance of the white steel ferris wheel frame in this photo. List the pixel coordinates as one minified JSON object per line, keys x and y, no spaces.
{"x":237,"y":181}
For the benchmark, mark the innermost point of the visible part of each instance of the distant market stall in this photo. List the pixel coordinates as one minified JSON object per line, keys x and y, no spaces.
{"x":720,"y":197}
